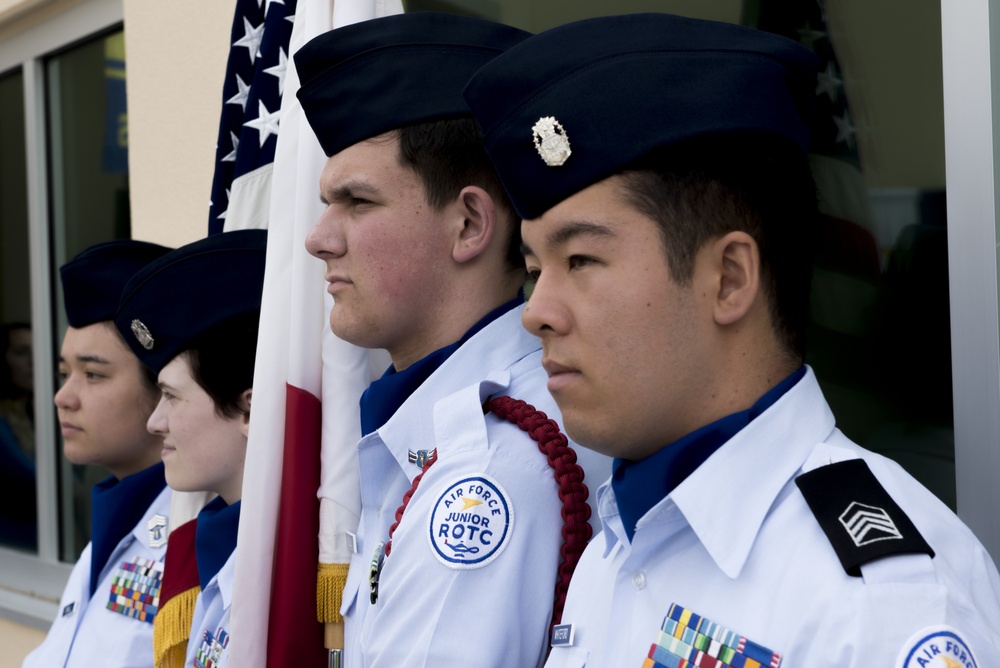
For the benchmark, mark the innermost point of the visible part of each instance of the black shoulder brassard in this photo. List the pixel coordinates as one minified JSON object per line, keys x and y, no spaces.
{"x":859,"y":517}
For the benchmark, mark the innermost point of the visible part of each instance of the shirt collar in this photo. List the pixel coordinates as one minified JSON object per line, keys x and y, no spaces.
{"x":116,"y":507}
{"x":215,"y":537}
{"x":384,"y":396}
{"x":224,"y":580}
{"x":756,"y":463}
{"x":486,"y":356}
{"x":639,"y":485}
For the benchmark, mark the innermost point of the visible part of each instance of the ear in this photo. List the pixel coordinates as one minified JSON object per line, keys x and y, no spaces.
{"x":737,"y":260}
{"x":478,"y":224}
{"x":245,"y":400}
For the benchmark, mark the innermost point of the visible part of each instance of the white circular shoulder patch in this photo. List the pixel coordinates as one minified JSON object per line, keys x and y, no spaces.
{"x":471,"y":523}
{"x":936,"y":647}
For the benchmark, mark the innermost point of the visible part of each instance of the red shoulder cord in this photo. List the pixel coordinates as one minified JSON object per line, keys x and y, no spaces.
{"x":573,"y":493}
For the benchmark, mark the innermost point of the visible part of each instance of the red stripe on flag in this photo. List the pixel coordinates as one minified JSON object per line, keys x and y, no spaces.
{"x":294,"y":635}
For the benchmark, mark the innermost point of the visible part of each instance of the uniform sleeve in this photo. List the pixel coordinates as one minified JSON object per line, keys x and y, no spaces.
{"x":909,"y":614}
{"x":457,"y":589}
{"x":948,"y":618}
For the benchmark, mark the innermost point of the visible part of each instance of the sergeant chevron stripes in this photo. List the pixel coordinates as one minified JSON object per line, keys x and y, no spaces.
{"x":847,"y":496}
{"x":868,"y":524}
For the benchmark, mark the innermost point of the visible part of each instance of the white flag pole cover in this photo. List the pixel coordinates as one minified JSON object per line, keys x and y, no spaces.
{"x":294,"y":342}
{"x":292,"y":322}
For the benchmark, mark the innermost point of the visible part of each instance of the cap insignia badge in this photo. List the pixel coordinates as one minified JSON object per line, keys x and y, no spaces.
{"x":551,"y":141}
{"x":142,"y":334}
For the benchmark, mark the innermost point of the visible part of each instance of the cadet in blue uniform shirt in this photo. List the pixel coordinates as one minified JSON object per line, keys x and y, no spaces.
{"x":106,"y":612}
{"x":660,"y":166}
{"x":192,"y":317}
{"x":422,"y":259}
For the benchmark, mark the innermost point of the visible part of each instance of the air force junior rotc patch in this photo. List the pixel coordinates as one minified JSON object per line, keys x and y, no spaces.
{"x":936,"y":647}
{"x":471,"y":523}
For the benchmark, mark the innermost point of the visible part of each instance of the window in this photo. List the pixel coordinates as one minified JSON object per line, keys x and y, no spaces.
{"x":18,"y":516}
{"x":63,"y":186}
{"x":879,"y":337}
{"x":88,"y":167}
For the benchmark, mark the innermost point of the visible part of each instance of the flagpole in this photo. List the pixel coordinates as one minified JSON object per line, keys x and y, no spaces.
{"x":334,"y":641}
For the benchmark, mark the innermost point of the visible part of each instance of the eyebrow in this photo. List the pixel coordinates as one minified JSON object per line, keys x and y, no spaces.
{"x":563,"y":235}
{"x":347,"y":190}
{"x":94,"y":359}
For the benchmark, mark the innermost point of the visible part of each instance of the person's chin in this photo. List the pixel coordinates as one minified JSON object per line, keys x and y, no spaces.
{"x":77,"y":453}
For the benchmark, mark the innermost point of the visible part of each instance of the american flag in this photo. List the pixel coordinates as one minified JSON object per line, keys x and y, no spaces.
{"x":304,"y":424}
{"x":251,"y":94}
{"x":833,"y":130}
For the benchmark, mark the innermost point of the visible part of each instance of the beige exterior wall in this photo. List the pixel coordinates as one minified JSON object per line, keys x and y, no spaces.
{"x":16,"y":642}
{"x":176,"y":67}
{"x":175,"y":71}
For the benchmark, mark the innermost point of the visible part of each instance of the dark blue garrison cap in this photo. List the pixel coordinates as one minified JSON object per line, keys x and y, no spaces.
{"x":187,"y":292}
{"x":94,"y":279}
{"x":583,"y":101}
{"x":371,"y":77}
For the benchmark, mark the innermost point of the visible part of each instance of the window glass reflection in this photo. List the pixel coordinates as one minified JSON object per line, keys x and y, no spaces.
{"x":18,"y":522}
{"x":90,"y":203}
{"x":879,"y":338}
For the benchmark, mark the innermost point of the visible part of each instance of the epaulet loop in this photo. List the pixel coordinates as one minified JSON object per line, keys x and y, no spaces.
{"x":859,"y":517}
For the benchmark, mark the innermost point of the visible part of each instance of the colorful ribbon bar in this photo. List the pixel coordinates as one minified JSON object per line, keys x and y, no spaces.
{"x":689,"y":640}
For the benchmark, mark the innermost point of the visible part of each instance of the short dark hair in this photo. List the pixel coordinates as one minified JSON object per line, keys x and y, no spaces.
{"x":222,"y":362}
{"x":448,"y":155}
{"x":755,"y":183}
{"x":145,"y":373}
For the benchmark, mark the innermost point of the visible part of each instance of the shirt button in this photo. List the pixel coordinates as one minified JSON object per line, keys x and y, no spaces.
{"x":639,"y":580}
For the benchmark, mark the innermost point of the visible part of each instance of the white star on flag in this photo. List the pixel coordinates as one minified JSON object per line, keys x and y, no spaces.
{"x":251,"y":39}
{"x":222,"y":216}
{"x":807,"y":35}
{"x":241,"y":97}
{"x":231,"y":156}
{"x":267,"y":5}
{"x":266,"y":122}
{"x":845,"y":129}
{"x":279,"y":69}
{"x":828,"y":83}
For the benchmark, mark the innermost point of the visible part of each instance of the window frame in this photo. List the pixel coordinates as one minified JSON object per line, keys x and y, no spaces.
{"x":31,"y":585}
{"x":971,"y":70}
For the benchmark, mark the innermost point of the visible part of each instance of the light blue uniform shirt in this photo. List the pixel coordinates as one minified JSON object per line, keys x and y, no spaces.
{"x":736,"y":544}
{"x":215,"y":545}
{"x":471,"y":576}
{"x":86,"y":632}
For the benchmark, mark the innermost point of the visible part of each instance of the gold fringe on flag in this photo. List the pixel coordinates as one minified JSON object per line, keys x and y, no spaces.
{"x":172,"y":629}
{"x":330,"y":581}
